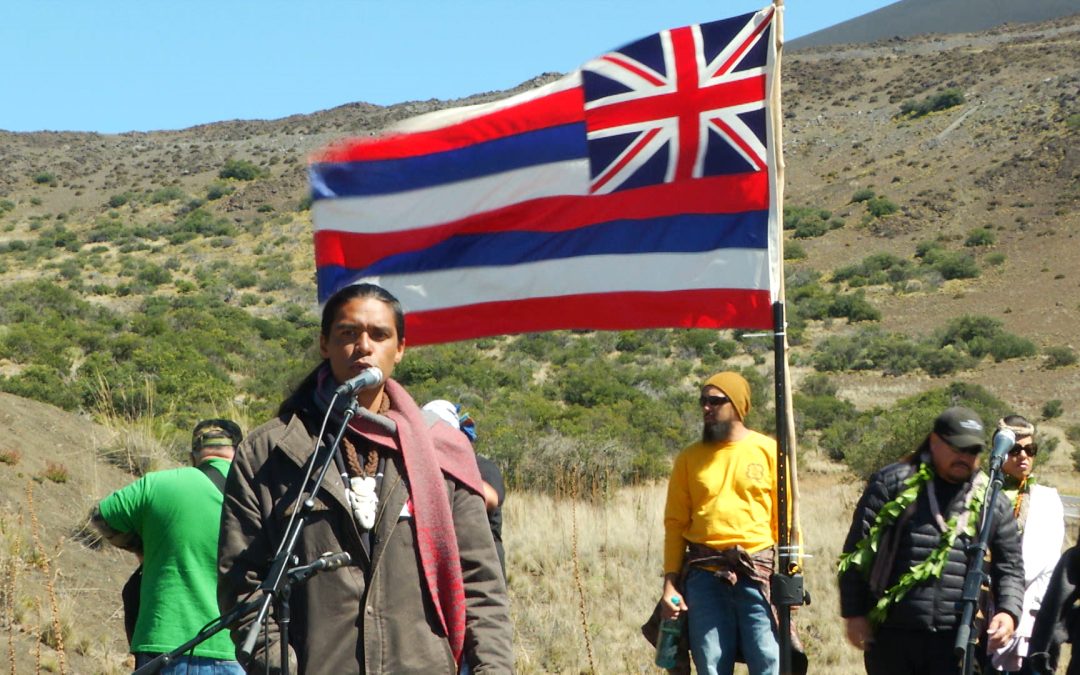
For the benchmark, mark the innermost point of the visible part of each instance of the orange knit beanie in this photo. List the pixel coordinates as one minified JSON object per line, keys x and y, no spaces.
{"x":734,"y":387}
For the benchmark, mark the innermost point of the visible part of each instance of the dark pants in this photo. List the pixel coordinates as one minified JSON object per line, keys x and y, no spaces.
{"x":911,"y":652}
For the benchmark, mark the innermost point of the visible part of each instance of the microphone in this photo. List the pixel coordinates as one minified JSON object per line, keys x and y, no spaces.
{"x":330,"y":561}
{"x":371,"y":377}
{"x":326,"y":562}
{"x":1004,"y":440}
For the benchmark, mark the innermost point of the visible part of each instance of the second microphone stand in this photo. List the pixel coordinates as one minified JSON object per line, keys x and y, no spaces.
{"x":966,"y":636}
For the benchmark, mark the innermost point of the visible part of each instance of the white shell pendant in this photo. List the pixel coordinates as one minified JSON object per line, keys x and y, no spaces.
{"x":364,"y":500}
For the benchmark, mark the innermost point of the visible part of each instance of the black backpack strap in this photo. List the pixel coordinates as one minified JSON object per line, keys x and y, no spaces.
{"x":215,"y":476}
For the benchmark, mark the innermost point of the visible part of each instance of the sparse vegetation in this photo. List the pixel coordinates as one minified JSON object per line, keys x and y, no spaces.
{"x":949,"y":98}
{"x":45,"y":178}
{"x":1052,"y":408}
{"x":980,"y":236}
{"x":1059,"y":356}
{"x":56,"y":472}
{"x":241,"y":169}
{"x":806,"y":222}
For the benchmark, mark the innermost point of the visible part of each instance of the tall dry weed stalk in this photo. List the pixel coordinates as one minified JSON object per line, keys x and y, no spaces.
{"x":45,"y":564}
{"x":37,"y":638}
{"x":11,"y":571}
{"x":582,"y":609}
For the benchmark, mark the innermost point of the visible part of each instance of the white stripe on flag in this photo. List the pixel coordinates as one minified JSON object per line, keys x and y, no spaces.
{"x":743,"y":269}
{"x":444,"y":118}
{"x":452,"y":201}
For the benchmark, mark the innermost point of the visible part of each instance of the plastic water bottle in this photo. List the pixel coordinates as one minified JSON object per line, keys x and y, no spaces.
{"x":667,"y":643}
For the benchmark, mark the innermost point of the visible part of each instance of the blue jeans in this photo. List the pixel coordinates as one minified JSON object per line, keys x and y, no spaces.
{"x":192,"y":665}
{"x":724,"y":619}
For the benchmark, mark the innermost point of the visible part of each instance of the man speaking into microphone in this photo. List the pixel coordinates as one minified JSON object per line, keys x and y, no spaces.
{"x":424,"y":592}
{"x":904,"y":562}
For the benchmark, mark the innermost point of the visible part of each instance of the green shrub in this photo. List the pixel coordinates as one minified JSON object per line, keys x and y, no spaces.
{"x":881,"y":206}
{"x":1008,"y":346}
{"x":6,"y":205}
{"x":941,"y":101}
{"x":44,"y":177}
{"x":955,"y":265}
{"x":153,"y":276}
{"x":806,"y":222}
{"x":241,"y":169}
{"x":1052,"y":409}
{"x":1073,"y":434}
{"x":116,"y":201}
{"x":793,"y":250}
{"x":1059,"y":356}
{"x":862,"y":195}
{"x":166,"y":194}
{"x":980,"y":236}
{"x":218,"y":190}
{"x":927,"y":251}
{"x":994,"y":259}
{"x":879,"y":268}
{"x":855,"y":307}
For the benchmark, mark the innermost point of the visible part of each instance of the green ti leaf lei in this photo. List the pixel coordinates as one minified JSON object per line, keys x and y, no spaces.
{"x":862,"y":557}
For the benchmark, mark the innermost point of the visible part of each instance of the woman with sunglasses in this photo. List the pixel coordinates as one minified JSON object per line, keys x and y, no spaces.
{"x":1041,"y":519}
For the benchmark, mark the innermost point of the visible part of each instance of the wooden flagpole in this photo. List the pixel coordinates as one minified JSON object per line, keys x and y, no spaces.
{"x":787,"y":583}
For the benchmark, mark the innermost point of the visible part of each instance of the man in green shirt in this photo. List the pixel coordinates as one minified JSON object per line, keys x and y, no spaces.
{"x":170,"y":519}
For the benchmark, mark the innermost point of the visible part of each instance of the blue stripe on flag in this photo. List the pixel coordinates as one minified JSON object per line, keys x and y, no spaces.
{"x":676,"y":234}
{"x":377,"y":177}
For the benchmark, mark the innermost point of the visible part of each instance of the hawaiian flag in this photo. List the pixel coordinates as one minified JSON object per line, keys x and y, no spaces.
{"x":638,"y":192}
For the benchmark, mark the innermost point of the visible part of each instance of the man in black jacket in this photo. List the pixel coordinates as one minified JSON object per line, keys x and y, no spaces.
{"x":904,"y":561}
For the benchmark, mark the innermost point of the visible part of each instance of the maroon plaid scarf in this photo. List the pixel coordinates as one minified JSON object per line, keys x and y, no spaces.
{"x":425,"y":464}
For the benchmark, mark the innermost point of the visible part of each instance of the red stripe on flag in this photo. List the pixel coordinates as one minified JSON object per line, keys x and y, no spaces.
{"x":718,"y":194}
{"x":563,"y":107}
{"x":664,"y":106}
{"x":707,"y":308}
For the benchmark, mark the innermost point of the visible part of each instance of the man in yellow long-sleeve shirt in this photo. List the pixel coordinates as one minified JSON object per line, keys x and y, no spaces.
{"x":720,"y":527}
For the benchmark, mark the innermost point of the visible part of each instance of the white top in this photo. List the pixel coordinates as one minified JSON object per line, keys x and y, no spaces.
{"x":1044,"y":533}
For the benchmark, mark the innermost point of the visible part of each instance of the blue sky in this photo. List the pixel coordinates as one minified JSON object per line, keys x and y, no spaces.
{"x":123,"y":65}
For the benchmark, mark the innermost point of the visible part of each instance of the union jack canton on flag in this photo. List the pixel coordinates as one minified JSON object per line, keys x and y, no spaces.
{"x":638,"y":192}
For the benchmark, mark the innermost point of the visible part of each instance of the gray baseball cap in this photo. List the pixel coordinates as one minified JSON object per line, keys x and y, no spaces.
{"x":961,"y":428}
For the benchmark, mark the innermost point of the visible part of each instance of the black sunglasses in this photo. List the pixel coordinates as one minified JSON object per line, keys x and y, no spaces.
{"x":713,"y":401}
{"x":1028,"y":450}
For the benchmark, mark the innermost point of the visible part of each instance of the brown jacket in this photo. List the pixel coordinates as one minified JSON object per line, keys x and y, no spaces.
{"x":398,"y":630}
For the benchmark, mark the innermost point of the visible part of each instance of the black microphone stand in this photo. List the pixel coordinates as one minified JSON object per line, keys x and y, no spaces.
{"x":966,"y":637}
{"x":278,"y":584}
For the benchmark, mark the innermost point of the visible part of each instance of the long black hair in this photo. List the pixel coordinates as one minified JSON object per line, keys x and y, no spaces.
{"x":301,"y":394}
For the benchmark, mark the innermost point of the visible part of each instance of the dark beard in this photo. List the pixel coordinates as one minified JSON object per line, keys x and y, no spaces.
{"x":716,"y":432}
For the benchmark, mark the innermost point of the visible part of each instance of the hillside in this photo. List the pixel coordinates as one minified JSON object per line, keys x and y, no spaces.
{"x":908,"y":18}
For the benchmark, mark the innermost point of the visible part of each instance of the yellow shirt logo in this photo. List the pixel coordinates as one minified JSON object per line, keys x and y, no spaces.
{"x":755,"y":472}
